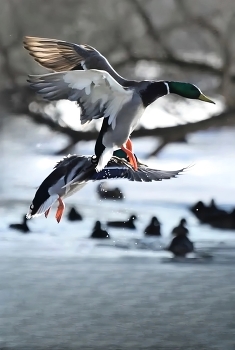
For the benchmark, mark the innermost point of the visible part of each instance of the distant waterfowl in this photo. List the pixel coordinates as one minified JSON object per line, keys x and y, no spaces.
{"x":181,"y":245}
{"x":180,"y":230}
{"x":108,"y":193}
{"x":23,"y":227}
{"x":224,"y":221}
{"x":128,"y":224}
{"x":73,"y":172}
{"x":85,"y":76}
{"x":207,"y":214}
{"x":74,"y":215}
{"x":154,"y":228}
{"x":98,"y":232}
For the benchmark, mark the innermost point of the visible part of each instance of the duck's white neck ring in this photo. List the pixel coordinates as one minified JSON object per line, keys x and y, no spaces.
{"x":167,"y":87}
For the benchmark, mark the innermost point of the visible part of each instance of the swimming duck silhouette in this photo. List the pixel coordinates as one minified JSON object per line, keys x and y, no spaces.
{"x":74,"y":215}
{"x":98,"y":232}
{"x":180,"y":245}
{"x":207,"y":214}
{"x":108,"y":193}
{"x":224,"y":221}
{"x":23,"y":227}
{"x":129,"y":224}
{"x":154,"y":228}
{"x":180,"y":229}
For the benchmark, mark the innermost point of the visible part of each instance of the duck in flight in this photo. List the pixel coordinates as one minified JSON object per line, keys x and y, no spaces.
{"x":73,"y":172}
{"x":83,"y":75}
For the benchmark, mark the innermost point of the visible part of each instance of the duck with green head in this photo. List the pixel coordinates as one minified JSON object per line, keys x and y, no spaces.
{"x":85,"y":76}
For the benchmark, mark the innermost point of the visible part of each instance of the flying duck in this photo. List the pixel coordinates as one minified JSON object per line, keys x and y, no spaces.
{"x":85,"y":76}
{"x":73,"y":172}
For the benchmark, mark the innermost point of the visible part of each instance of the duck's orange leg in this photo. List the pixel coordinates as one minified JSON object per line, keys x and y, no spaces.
{"x":128,"y":150}
{"x":47,"y":212}
{"x":60,"y":210}
{"x":129,"y":145}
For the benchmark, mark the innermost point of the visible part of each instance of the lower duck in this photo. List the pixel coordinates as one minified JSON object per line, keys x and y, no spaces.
{"x":73,"y":172}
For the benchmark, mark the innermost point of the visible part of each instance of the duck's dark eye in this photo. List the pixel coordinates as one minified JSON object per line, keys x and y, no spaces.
{"x":31,"y":206}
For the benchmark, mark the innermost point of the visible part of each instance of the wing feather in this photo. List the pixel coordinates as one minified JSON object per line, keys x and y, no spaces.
{"x":96,"y":92}
{"x":62,"y":56}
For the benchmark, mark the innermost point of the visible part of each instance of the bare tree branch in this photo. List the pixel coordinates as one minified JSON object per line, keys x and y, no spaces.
{"x":228,"y":61}
{"x":202,"y":22}
{"x":168,"y":134}
{"x":152,"y":31}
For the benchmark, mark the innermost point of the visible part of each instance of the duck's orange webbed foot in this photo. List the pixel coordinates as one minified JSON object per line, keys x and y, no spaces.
{"x":47,"y":212}
{"x":128,"y":150}
{"x":60,"y":210}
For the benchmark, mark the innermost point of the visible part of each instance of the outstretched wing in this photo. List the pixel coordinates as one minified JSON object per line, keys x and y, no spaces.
{"x":121,"y":169}
{"x":65,"y":161}
{"x":61,"y":56}
{"x":96,"y":92}
{"x":83,"y":170}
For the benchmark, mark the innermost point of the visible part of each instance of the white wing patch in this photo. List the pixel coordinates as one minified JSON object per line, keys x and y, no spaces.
{"x":96,"y":92}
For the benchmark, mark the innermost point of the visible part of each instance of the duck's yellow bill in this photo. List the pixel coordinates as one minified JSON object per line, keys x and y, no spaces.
{"x":202,"y":97}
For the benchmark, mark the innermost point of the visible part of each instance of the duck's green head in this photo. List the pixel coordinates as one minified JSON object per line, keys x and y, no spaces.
{"x":187,"y":90}
{"x":120,"y":154}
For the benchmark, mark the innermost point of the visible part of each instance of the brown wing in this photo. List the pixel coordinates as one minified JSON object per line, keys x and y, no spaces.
{"x":64,"y":56}
{"x":55,"y":54}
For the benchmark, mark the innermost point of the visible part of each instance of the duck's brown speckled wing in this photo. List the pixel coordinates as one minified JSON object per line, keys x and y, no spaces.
{"x":59,"y":56}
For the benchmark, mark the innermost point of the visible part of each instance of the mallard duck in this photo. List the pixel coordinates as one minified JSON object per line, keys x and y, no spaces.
{"x":98,"y":232}
{"x":154,"y":228}
{"x":23,"y":227}
{"x":73,"y":172}
{"x":180,"y":229}
{"x":129,"y":223}
{"x":85,"y":76}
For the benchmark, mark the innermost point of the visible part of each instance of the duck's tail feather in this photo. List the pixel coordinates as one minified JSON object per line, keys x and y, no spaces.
{"x":43,"y":208}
